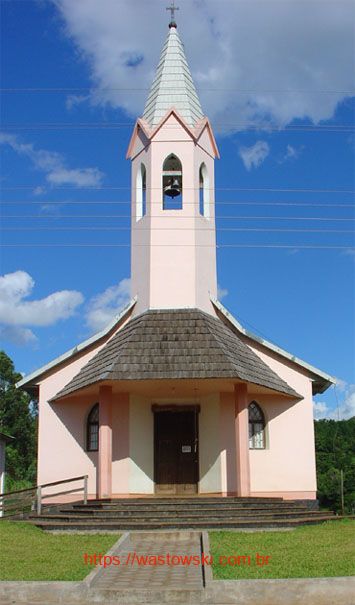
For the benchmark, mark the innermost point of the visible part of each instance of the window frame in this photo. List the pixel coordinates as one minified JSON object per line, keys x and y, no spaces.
{"x":204,"y":191}
{"x":92,"y":423}
{"x":253,"y":435}
{"x":141,"y":192}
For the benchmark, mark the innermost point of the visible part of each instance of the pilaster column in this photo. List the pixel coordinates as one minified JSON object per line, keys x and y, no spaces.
{"x":104,"y":470}
{"x":241,"y":425}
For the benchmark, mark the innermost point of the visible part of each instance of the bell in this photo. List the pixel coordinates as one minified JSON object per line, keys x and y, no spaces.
{"x":173,"y":189}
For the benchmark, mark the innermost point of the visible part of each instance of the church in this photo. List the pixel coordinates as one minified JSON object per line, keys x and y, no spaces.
{"x":175,"y":396}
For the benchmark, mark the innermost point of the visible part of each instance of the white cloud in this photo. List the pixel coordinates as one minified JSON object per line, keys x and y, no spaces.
{"x":39,"y":190}
{"x":51,"y":209}
{"x":17,"y":335}
{"x":102,"y":308}
{"x":53,"y":165}
{"x":255,"y":155}
{"x":344,"y":411}
{"x":291,"y":152}
{"x":320,"y":410}
{"x":246,"y":58}
{"x":80,"y":177}
{"x":16,"y":311}
{"x":75,"y":100}
{"x":221,"y":292}
{"x":341,"y":384}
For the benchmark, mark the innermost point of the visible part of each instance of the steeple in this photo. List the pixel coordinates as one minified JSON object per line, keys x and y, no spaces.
{"x":172,"y":150}
{"x":173,"y":85}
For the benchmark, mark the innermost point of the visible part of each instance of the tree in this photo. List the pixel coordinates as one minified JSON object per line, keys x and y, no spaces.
{"x":18,"y":418}
{"x":335,"y":451}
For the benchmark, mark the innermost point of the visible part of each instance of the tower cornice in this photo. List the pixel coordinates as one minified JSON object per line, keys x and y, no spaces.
{"x":194,"y":132}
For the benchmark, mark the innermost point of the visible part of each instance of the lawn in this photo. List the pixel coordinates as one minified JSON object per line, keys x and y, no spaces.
{"x":311,"y":551}
{"x":28,"y":553}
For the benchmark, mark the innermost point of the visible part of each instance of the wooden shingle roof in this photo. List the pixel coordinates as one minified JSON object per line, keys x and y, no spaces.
{"x":176,"y":344}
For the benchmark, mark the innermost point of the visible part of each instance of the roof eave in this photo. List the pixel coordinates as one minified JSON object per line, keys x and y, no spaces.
{"x":6,"y":438}
{"x":321,"y":380}
{"x":82,"y":390}
{"x":199,"y":128}
{"x":31,"y":380}
{"x":140,"y":123}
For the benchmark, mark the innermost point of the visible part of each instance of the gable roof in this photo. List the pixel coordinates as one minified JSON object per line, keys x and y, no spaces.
{"x":173,"y":85}
{"x":176,"y":344}
{"x":32,"y":379}
{"x":150,"y":132}
{"x":321,"y":380}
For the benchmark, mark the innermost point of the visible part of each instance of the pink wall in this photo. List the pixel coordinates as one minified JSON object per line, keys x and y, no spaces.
{"x":291,"y":434}
{"x":61,"y":430}
{"x":174,"y":263}
{"x":286,"y":467}
{"x":228,"y":445}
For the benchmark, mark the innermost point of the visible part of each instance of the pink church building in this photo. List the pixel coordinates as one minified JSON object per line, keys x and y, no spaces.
{"x":175,"y":396}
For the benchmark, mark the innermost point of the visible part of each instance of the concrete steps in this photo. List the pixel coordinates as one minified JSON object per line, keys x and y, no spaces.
{"x":150,"y":515}
{"x":181,"y":525}
{"x":179,"y":513}
{"x":185,"y":506}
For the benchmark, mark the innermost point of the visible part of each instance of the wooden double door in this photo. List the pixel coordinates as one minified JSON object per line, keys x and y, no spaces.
{"x":176,"y":450}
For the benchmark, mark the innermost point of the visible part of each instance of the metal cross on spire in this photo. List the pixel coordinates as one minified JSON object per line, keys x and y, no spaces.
{"x":172,"y":8}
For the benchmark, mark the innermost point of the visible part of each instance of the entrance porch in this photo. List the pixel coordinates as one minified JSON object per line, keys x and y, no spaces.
{"x":184,"y":445}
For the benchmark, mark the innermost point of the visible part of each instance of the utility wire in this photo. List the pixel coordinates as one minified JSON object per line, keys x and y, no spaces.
{"x":241,"y":230}
{"x":244,"y":127}
{"x":217,"y":203}
{"x":91,"y":89}
{"x":243,"y":218}
{"x":107,"y":124}
{"x":286,"y":246}
{"x":110,"y":188}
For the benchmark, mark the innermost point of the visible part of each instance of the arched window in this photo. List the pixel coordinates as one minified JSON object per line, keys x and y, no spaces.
{"x":256,"y":427}
{"x":92,"y":429}
{"x":172,"y":183}
{"x":204,"y":190}
{"x":141,"y":192}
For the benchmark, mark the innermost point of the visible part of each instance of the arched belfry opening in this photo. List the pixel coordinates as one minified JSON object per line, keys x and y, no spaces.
{"x":172,"y":183}
{"x":141,"y":192}
{"x":204,"y":191}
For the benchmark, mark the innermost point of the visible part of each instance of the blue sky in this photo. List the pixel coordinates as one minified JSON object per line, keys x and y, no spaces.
{"x":280,"y":95}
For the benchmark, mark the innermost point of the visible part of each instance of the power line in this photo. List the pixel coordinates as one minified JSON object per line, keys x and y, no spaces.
{"x":110,"y":188}
{"x":293,"y":247}
{"x":242,"y":230}
{"x":59,"y":89}
{"x":243,"y":218}
{"x":217,"y":203}
{"x":233,"y":125}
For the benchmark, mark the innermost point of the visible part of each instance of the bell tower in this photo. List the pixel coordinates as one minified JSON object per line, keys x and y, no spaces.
{"x":172,"y":150}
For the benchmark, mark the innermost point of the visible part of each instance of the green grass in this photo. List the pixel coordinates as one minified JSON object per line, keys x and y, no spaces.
{"x":28,"y":553}
{"x":312,"y":551}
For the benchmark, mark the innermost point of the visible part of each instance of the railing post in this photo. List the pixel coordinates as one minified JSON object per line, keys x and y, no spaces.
{"x":39,"y":500}
{"x":85,"y":489}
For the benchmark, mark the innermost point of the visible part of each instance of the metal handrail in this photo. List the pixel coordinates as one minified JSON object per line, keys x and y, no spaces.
{"x":28,"y":489}
{"x":37,"y":496}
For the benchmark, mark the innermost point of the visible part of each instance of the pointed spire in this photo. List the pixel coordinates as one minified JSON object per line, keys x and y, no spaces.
{"x":173,"y":85}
